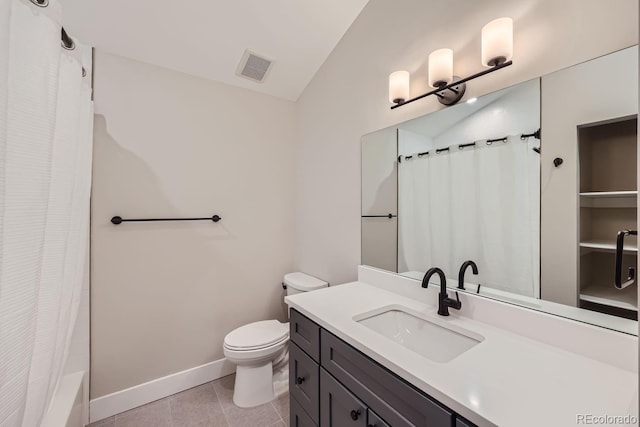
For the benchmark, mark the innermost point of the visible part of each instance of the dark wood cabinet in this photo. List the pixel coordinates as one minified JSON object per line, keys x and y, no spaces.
{"x":306,"y":334}
{"x":373,"y":420}
{"x":304,"y":381}
{"x":297,"y":416}
{"x":334,"y":385}
{"x":463,"y":423}
{"x":339,"y":408}
{"x":391,"y":397}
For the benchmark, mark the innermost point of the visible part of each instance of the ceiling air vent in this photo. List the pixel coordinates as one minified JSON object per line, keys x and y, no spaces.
{"x":254,"y":67}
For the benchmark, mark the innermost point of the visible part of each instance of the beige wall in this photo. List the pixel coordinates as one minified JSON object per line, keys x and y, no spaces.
{"x":349,"y":97}
{"x":380,"y":197}
{"x":164,"y":294}
{"x":166,"y":144}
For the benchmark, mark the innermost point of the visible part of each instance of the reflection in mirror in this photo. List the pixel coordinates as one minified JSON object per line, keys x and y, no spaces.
{"x":473,"y":183}
{"x":469,"y":189}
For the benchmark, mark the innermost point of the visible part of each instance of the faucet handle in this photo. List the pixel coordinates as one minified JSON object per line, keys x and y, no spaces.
{"x":457,"y":304}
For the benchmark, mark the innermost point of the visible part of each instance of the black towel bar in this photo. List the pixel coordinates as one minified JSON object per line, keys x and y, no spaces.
{"x":119,"y":220}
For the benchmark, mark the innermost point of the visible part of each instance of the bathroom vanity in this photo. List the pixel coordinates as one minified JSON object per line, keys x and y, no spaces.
{"x":334,"y":386}
{"x":375,"y":353}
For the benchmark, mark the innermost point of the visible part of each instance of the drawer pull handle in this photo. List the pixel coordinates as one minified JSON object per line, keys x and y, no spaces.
{"x":355,"y":414}
{"x":299,"y":380}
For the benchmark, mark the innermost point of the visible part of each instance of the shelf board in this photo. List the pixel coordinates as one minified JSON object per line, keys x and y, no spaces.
{"x":606,"y":246}
{"x":607,"y":294}
{"x":609,"y":199}
{"x":609,"y":194}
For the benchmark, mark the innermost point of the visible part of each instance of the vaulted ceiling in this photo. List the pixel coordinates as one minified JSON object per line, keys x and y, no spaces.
{"x":207,"y":38}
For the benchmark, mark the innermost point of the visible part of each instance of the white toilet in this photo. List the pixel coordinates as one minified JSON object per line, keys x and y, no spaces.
{"x":261,"y":352}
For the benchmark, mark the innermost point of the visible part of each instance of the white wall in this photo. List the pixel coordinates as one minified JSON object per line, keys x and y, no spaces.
{"x":380,"y":197}
{"x":412,"y":142}
{"x":517,"y":111}
{"x":168,"y":145}
{"x":348,"y":97}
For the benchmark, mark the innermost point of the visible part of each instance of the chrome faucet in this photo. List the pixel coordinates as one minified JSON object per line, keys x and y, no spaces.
{"x":463,"y":269}
{"x":444,"y":302}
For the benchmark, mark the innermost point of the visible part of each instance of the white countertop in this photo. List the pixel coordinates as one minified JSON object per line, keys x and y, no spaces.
{"x":506,"y":380}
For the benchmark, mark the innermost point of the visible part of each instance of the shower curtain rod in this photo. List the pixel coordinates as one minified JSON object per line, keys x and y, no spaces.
{"x":66,"y":41}
{"x":523,"y":137}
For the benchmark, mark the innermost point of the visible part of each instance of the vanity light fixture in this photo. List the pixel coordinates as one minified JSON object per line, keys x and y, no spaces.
{"x":398,"y":87}
{"x":497,"y":42}
{"x":440,"y":68}
{"x":497,"y":51}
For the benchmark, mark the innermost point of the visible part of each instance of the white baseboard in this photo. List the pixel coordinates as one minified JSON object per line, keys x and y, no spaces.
{"x":123,"y":400}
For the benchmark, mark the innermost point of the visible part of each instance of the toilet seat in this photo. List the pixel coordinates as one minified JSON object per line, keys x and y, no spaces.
{"x":257,"y":336}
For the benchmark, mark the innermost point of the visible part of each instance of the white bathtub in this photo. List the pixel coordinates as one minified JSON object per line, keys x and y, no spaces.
{"x":68,"y":407}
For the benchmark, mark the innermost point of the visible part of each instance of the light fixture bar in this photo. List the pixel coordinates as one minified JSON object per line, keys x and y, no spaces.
{"x":452,"y":85}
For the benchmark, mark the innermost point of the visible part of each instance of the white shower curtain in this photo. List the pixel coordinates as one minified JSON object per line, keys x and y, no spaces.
{"x":45,"y":172}
{"x":480,"y":203}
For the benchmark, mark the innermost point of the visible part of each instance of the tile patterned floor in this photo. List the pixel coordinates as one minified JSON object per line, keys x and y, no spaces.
{"x":209,"y":405}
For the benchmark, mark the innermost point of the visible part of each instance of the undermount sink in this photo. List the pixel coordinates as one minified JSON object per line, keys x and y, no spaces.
{"x":432,"y":339}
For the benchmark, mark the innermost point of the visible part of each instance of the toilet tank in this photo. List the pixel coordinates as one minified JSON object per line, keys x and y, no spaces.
{"x":300,"y":282}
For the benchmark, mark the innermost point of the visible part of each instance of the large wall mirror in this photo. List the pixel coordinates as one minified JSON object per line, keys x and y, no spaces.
{"x":533,"y":186}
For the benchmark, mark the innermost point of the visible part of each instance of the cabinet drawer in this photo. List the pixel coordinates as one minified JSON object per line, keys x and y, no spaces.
{"x":306,"y":334}
{"x":396,"y":401}
{"x":338,"y":407}
{"x":373,"y":420}
{"x":297,"y":416}
{"x":304,"y":381}
{"x":461,"y":422}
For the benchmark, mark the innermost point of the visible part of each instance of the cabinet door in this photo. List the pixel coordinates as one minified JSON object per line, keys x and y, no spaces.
{"x":304,"y":381}
{"x":338,"y":407}
{"x":373,"y":420}
{"x":298,"y":417}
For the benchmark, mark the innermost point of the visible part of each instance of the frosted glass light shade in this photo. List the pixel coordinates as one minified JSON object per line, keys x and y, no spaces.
{"x":440,"y":67}
{"x":398,"y":87}
{"x":497,"y":42}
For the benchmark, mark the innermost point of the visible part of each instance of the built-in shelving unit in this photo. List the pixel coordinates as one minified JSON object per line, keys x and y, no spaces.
{"x":608,"y":204}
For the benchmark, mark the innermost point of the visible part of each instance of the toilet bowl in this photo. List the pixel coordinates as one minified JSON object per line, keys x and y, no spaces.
{"x":260,"y":351}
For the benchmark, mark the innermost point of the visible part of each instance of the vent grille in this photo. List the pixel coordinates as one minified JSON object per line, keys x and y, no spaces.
{"x":253,"y":66}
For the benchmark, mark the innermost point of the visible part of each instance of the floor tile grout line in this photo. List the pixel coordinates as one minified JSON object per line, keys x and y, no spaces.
{"x":218,"y":401}
{"x":276,"y":409}
{"x":170,"y":411}
{"x":224,"y":412}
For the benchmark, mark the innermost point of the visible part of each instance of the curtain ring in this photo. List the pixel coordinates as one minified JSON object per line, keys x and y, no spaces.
{"x":66,"y":41}
{"x":40,"y":3}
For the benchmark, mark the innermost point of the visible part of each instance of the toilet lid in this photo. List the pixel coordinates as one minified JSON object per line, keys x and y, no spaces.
{"x":257,"y":335}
